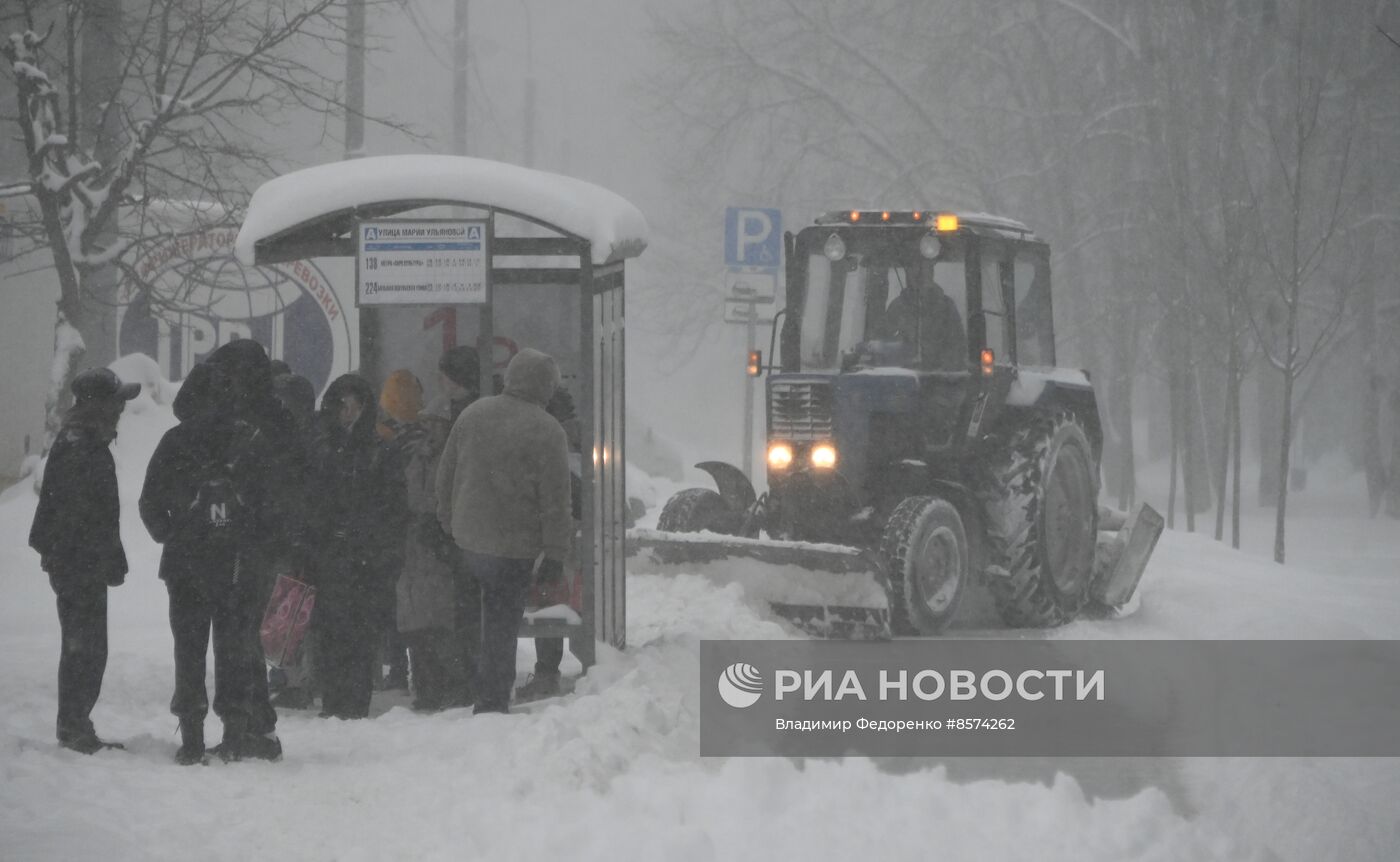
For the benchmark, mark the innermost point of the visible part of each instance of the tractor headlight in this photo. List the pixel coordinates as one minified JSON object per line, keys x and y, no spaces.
{"x":824,"y":456}
{"x":835,"y":248}
{"x":779,"y":456}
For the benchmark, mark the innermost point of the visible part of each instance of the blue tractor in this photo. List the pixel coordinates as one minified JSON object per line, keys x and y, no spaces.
{"x":921,"y":433}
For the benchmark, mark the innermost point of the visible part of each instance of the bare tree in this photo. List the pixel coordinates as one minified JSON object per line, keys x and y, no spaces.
{"x":145,"y":122}
{"x":1301,"y":187}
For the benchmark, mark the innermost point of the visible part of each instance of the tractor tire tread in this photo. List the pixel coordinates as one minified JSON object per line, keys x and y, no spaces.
{"x":1010,"y":492}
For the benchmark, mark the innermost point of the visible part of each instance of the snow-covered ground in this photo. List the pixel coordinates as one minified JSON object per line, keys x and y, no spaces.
{"x":613,"y":771}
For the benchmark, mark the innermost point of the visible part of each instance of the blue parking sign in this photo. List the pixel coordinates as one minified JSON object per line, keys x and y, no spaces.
{"x":753,"y":237}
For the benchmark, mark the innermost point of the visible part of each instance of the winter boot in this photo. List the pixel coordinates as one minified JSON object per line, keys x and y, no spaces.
{"x":191,"y":742}
{"x":263,"y":746}
{"x":539,"y":685}
{"x":230,"y":748}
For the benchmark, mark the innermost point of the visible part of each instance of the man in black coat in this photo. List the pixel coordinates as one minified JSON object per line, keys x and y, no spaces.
{"x":76,"y":532}
{"x":217,"y":496}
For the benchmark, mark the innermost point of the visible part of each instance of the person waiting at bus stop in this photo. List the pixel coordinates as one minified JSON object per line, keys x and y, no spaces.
{"x":77,"y":535}
{"x":545,"y":680}
{"x":503,"y":494}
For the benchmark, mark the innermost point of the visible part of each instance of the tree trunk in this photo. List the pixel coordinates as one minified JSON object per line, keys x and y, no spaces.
{"x":69,"y":315}
{"x":1284,"y":446}
{"x":1127,"y":471}
{"x":1171,"y":485}
{"x":1236,"y":382}
{"x":1286,"y":419}
{"x":1226,"y":428}
{"x":1392,"y":496}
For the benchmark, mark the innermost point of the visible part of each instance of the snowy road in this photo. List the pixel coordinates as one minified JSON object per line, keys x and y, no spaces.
{"x":613,"y":771}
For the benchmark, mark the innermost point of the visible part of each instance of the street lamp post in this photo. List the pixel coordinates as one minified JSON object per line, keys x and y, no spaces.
{"x":529,"y":148}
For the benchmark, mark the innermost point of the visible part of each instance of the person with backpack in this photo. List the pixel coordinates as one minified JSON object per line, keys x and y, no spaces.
{"x":207,"y":487}
{"x":358,"y":537}
{"x":76,"y":532}
{"x":280,"y":518}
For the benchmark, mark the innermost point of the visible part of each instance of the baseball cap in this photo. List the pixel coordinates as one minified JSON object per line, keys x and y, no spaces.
{"x":102,"y":383}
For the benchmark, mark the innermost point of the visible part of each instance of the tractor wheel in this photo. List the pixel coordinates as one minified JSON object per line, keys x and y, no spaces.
{"x":924,"y":551}
{"x":1040,"y":496}
{"x":693,"y":510}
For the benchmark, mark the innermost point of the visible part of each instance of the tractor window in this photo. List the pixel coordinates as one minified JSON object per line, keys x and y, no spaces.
{"x":814,"y":310}
{"x":1035,"y":334}
{"x":833,"y":313}
{"x":884,"y":305}
{"x":994,"y":321}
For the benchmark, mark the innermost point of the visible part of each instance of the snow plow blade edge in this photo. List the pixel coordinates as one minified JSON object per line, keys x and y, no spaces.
{"x":827,"y":591}
{"x":1133,"y":545}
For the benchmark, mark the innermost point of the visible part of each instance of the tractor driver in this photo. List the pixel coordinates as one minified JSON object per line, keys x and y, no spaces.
{"x":928,"y":317}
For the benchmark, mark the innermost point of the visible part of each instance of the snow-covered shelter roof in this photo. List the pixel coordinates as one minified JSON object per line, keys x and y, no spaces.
{"x":314,"y":206}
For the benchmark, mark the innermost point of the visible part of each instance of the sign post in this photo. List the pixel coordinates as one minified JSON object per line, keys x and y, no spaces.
{"x":752,"y":253}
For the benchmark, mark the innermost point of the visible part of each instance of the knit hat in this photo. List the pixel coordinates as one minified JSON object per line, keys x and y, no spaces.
{"x":101,"y":384}
{"x":402,"y":396}
{"x":462,"y":366}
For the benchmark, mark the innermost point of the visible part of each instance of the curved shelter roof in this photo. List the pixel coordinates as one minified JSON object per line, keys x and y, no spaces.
{"x":307,"y":212}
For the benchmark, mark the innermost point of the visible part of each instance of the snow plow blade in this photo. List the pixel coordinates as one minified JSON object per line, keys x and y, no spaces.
{"x":827,"y":591}
{"x":1122,"y":559}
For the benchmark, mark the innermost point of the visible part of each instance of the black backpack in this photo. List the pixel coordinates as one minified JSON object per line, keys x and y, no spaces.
{"x":222,"y":511}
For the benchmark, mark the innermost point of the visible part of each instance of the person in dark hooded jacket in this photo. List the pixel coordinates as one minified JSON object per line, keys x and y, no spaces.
{"x":203,"y":486}
{"x":215,"y":489}
{"x":76,"y":533}
{"x":358,"y":537}
{"x":282,"y":517}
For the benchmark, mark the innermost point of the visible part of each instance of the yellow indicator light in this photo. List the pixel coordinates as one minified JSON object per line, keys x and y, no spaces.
{"x":755,"y":363}
{"x":779,"y":456}
{"x":885,"y":216}
{"x":947,"y":222}
{"x":918,"y":216}
{"x":824,"y":456}
{"x":988,"y":360}
{"x":855,"y":215}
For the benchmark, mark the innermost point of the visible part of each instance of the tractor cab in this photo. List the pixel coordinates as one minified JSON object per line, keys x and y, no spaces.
{"x":919,"y":291}
{"x":899,"y":326}
{"x":920,"y":436}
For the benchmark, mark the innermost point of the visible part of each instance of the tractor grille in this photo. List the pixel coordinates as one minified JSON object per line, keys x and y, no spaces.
{"x":799,"y":411}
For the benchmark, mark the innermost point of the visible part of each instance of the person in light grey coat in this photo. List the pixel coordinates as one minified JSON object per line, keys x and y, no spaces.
{"x":503,"y":494}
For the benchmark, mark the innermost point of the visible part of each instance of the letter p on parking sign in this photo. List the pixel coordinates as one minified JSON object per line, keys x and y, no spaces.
{"x":752,"y":236}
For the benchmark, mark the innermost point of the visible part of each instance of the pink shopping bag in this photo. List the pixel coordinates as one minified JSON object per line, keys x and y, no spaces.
{"x":286,"y":620}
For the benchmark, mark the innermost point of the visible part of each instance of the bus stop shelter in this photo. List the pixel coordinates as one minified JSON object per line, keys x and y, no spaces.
{"x":454,"y":250}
